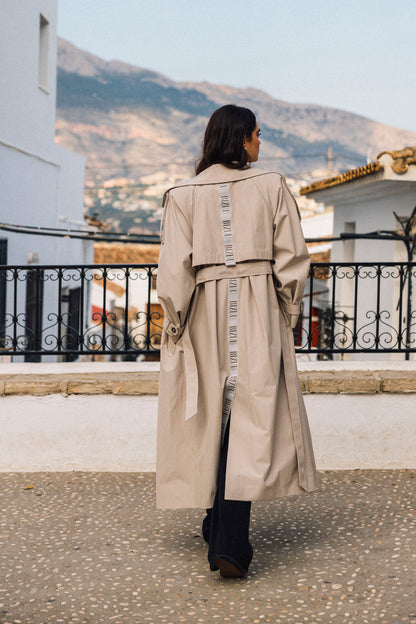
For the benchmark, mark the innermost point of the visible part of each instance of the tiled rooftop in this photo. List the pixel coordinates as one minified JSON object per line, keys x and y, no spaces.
{"x":125,"y":253}
{"x":400,"y":161}
{"x":342,"y":178}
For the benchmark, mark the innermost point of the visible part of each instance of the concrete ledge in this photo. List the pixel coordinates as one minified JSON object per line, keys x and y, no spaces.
{"x":80,"y":378}
{"x":102,"y":416}
{"x":143,"y":378}
{"x":357,"y":382}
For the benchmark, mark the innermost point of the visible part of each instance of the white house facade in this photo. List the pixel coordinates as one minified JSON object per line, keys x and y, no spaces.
{"x":365,"y":200}
{"x":41,"y":182}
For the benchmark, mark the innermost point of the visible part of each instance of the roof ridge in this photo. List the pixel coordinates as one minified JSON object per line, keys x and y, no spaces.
{"x":342,"y":178}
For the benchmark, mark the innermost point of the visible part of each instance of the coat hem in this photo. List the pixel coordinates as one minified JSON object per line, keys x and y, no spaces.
{"x":208,"y":503}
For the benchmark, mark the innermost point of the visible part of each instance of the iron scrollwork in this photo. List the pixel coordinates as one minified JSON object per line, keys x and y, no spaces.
{"x":113,"y":311}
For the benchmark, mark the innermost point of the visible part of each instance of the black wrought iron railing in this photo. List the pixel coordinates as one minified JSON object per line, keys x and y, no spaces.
{"x":112,"y":311}
{"x":359,"y":308}
{"x":77,"y":311}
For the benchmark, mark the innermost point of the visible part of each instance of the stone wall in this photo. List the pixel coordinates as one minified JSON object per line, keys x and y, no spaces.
{"x":102,"y":416}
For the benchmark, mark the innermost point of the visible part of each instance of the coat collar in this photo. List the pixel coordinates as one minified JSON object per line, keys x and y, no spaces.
{"x":216,"y":174}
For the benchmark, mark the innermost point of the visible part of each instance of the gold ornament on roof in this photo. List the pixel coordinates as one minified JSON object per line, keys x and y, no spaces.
{"x":401,"y":158}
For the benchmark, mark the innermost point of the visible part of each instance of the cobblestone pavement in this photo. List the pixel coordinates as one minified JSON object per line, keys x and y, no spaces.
{"x":90,"y":548}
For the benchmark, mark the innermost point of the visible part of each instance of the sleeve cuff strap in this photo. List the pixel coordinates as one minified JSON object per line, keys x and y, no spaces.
{"x":173,"y":330}
{"x":293,"y":308}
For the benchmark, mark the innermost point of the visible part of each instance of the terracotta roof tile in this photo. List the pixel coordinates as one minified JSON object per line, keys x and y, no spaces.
{"x":125,"y":253}
{"x":323,"y":256}
{"x":342,"y":178}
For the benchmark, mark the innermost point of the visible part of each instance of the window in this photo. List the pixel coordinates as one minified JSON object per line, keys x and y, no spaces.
{"x":43,"y":78}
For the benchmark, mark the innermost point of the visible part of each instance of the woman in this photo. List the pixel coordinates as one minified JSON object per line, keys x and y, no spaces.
{"x":232,"y":426}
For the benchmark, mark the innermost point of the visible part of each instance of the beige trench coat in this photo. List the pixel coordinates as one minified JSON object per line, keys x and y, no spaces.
{"x":232,"y":270}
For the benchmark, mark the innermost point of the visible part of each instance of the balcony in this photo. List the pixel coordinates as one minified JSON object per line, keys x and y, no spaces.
{"x":94,"y":312}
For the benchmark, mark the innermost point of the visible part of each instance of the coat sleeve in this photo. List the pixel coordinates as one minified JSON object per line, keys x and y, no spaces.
{"x":175,"y":277}
{"x":291,"y":256}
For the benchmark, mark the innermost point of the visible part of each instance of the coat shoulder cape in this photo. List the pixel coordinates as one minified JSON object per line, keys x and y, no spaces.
{"x":217,"y":174}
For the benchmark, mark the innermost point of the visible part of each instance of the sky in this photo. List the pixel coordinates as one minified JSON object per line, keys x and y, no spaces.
{"x":355,"y":55}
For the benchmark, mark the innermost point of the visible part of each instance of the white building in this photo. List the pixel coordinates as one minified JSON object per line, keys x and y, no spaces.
{"x":372,"y":308}
{"x":318,"y":225}
{"x":364,"y":199}
{"x":41,"y":182}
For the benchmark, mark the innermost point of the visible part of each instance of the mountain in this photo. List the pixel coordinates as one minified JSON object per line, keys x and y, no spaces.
{"x":139,"y":130}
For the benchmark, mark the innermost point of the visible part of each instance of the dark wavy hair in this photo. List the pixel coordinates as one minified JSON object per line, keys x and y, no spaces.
{"x":224,"y":137}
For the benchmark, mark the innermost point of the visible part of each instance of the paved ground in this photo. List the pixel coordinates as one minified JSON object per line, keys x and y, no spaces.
{"x":90,"y":548}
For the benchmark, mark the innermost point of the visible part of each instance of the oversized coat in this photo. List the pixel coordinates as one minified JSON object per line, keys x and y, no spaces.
{"x":232,"y":270}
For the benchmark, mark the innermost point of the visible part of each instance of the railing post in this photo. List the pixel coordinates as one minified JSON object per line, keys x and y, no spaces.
{"x":149,"y":308}
{"x":311,"y":276}
{"x":126,"y":309}
{"x":59,"y":337}
{"x":334,"y":281}
{"x":409,"y":310}
{"x":355,"y":312}
{"x":81,"y":311}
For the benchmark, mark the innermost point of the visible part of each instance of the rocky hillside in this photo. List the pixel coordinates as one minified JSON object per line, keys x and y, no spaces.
{"x":139,"y":131}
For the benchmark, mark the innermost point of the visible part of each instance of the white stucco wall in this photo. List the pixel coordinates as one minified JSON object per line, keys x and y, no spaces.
{"x":369,"y":202}
{"x":98,"y":433}
{"x":118,"y":432}
{"x":40,"y":181}
{"x":27,"y":112}
{"x":362,"y":431}
{"x":37,"y":192}
{"x":373,"y":211}
{"x":319,"y":225}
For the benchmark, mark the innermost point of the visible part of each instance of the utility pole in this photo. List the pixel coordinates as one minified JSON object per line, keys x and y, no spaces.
{"x":329,"y":161}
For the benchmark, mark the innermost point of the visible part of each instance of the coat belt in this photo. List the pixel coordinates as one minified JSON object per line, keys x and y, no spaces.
{"x":206,"y":274}
{"x":191,"y":375}
{"x":241,"y":269}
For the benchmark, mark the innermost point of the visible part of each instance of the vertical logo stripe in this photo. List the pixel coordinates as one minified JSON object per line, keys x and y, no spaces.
{"x":227,"y":226}
{"x":227,"y":230}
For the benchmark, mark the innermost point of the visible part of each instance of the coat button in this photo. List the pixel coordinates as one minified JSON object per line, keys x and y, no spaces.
{"x":173,"y":330}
